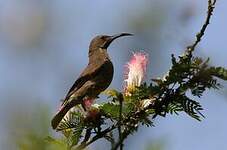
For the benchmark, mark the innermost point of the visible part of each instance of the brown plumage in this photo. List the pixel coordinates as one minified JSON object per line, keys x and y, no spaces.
{"x":95,"y":78}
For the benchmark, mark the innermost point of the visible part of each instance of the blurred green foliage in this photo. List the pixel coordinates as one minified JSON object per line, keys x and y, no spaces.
{"x":29,"y":128}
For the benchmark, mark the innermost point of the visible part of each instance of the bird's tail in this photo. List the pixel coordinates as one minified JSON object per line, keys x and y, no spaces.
{"x":61,"y":113}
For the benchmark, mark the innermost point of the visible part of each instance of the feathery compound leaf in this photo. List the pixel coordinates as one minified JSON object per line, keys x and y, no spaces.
{"x":75,"y":135}
{"x":191,"y":107}
{"x":110,"y":110}
{"x":219,"y":72}
{"x":72,"y":127}
{"x":73,"y":120}
{"x":174,"y":108}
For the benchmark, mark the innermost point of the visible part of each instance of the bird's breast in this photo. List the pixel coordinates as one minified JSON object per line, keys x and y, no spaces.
{"x":105,"y":75}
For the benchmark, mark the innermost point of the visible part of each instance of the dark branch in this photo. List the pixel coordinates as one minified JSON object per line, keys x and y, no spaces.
{"x":96,"y":137}
{"x":120,"y":118}
{"x":120,"y":141}
{"x":211,"y":6}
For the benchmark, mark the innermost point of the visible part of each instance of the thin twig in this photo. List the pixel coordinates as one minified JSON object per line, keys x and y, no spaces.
{"x":87,"y":136}
{"x":211,"y":6}
{"x":110,"y":139}
{"x":120,"y":118}
{"x":96,"y":137}
{"x":121,"y":140}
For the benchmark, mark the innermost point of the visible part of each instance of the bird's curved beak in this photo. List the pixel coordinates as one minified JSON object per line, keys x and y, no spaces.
{"x":112,"y":38}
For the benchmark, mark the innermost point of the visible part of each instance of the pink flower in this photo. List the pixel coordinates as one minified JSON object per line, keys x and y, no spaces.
{"x":135,"y":71}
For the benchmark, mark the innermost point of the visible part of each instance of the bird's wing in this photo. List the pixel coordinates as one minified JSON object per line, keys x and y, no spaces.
{"x":89,"y":72}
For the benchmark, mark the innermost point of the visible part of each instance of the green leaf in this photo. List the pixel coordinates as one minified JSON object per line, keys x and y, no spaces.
{"x":219,"y":72}
{"x":191,"y":107}
{"x":111,"y":93}
{"x":174,"y":108}
{"x":72,"y":128}
{"x":76,"y":135}
{"x":111,"y":110}
{"x":73,"y":121}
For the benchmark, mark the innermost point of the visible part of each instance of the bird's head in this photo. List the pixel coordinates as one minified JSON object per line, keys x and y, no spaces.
{"x":103,"y":41}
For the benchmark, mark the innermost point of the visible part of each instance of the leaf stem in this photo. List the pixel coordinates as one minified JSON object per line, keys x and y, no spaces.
{"x":120,"y":118}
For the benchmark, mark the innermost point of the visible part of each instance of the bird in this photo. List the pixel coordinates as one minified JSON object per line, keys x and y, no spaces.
{"x":94,"y":79}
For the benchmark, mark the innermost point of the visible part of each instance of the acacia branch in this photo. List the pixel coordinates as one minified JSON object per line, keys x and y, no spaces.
{"x":211,"y":6}
{"x":96,"y":137}
{"x":120,"y":141}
